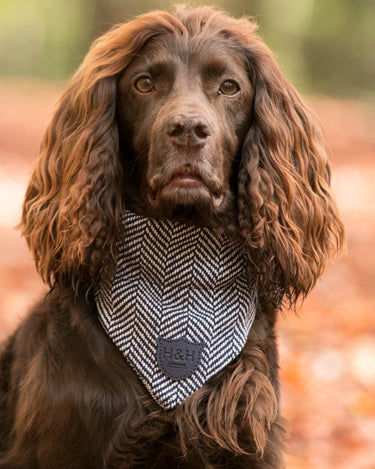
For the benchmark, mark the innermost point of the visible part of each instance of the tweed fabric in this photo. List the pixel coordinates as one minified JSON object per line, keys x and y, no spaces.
{"x":179,"y":306}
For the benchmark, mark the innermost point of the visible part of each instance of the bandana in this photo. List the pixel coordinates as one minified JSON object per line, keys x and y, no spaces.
{"x":179,"y":307}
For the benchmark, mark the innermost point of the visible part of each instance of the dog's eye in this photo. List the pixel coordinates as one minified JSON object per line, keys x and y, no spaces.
{"x":144,"y":84}
{"x":229,"y":88}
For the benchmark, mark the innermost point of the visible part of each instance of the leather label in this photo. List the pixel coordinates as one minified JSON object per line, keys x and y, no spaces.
{"x":178,"y":358}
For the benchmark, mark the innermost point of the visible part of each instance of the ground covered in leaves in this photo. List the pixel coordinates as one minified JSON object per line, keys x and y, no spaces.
{"x":327,"y":349}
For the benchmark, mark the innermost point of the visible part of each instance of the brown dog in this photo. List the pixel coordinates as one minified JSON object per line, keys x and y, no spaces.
{"x":185,"y":117}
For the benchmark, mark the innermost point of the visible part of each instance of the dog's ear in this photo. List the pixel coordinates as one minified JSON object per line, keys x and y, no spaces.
{"x":73,"y":202}
{"x":287,"y":213}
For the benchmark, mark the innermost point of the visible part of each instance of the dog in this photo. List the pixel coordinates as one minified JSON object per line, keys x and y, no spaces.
{"x":183,"y":119}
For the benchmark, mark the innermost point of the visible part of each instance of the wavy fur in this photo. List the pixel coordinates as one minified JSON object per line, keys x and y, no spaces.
{"x":288,"y":221}
{"x":287,"y":215}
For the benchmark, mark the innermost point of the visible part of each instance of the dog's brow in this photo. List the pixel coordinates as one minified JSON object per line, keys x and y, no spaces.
{"x":214,"y":68}
{"x":161,"y":68}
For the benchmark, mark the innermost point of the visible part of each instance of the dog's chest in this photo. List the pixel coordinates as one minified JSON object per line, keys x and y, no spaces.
{"x":179,"y":306}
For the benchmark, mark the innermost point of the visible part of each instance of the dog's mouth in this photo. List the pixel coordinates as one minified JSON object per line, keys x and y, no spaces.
{"x":186,"y":178}
{"x":185,"y":186}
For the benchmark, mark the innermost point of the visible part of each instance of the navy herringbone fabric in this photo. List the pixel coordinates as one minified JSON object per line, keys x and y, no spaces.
{"x":179,"y":306}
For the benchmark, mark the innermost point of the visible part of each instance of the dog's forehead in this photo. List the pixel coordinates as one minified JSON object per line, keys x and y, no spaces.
{"x":216,"y":54}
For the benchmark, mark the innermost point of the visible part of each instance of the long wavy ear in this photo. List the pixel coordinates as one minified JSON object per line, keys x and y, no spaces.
{"x":287,"y":213}
{"x":73,"y":201}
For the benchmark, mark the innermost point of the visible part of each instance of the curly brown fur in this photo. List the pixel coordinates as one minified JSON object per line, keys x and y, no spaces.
{"x":213,"y":135}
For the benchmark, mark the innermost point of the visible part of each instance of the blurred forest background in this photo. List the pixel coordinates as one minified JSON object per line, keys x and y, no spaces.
{"x":327,"y":50}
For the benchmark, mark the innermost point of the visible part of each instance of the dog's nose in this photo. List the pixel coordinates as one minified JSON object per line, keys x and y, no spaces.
{"x":188,"y":130}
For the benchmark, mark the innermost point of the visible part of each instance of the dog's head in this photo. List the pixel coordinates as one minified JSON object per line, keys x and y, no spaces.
{"x":184,"y":108}
{"x":184,"y":115}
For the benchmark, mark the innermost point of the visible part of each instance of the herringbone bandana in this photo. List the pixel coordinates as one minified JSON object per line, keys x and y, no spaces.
{"x":179,"y":306}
